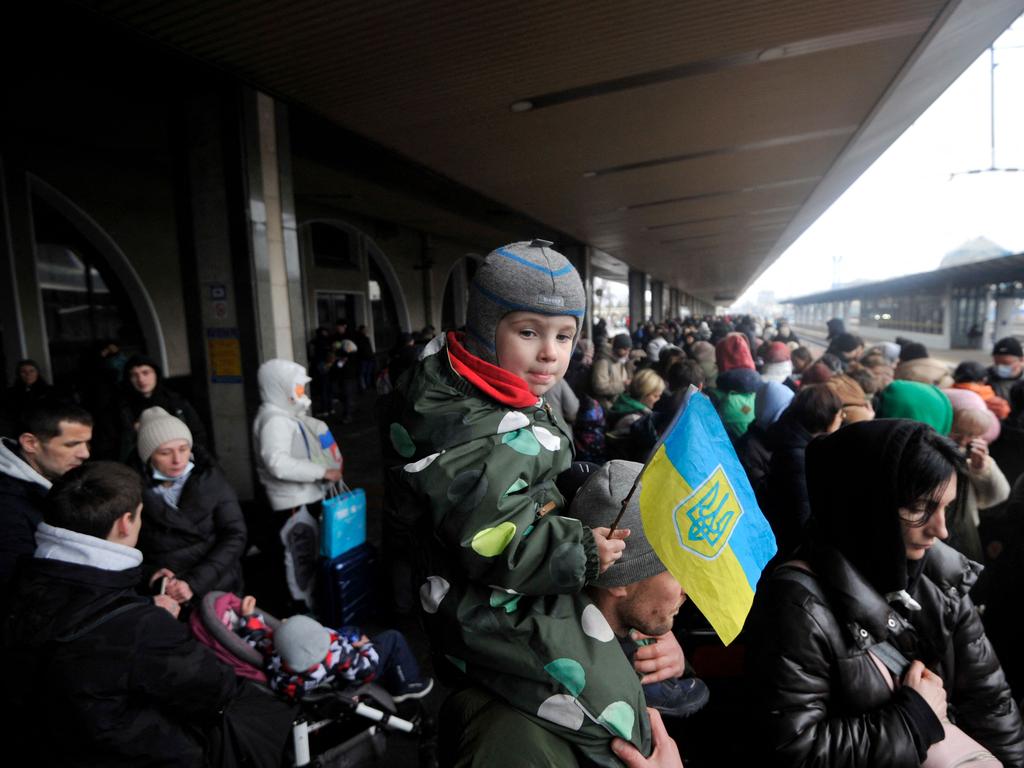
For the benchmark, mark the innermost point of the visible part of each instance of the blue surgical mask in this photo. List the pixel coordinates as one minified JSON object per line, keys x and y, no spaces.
{"x":1004,"y":371}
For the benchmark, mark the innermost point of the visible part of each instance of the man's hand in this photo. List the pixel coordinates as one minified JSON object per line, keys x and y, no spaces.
{"x":609,"y":549}
{"x":661,"y":660}
{"x":665,"y":754}
{"x":168,"y":603}
{"x":332,"y":475}
{"x":929,"y":685}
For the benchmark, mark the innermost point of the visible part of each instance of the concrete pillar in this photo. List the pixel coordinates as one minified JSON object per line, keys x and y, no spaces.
{"x":1006,"y":308}
{"x":657,"y":300}
{"x":276,"y":272}
{"x":637,"y":283}
{"x":224,"y":337}
{"x":587,"y":274}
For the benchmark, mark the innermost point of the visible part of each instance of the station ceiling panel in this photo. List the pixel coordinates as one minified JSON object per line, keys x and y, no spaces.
{"x":694,"y":140}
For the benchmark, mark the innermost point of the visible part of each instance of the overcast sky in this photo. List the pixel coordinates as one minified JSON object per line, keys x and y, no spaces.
{"x":905,"y":213}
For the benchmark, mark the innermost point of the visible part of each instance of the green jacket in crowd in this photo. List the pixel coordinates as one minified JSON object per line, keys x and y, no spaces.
{"x":504,"y":571}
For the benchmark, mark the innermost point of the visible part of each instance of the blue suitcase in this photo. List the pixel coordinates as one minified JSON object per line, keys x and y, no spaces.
{"x":347,"y":587}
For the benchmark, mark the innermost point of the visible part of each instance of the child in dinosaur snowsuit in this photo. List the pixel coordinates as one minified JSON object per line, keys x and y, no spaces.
{"x":503,"y":569}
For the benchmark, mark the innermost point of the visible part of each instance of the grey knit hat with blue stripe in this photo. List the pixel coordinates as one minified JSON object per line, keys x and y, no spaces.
{"x":520,"y":277}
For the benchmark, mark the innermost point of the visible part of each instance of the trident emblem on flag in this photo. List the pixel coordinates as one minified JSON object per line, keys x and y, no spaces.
{"x":708,"y":516}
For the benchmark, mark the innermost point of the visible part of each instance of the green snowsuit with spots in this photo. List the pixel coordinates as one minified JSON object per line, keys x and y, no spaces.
{"x":504,"y":572}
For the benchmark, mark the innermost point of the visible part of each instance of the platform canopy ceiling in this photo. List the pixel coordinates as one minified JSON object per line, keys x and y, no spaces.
{"x":694,"y":140}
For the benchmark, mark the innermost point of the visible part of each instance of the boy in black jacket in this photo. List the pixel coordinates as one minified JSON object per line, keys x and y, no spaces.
{"x":104,"y":676}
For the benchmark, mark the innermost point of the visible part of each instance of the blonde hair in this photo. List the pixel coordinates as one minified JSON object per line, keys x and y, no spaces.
{"x":646,"y":382}
{"x":849,"y":391}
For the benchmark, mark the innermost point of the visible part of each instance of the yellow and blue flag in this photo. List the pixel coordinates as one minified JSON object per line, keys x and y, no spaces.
{"x":700,"y":515}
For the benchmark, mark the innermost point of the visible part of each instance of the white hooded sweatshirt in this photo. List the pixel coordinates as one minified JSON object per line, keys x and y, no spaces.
{"x":283,"y":456}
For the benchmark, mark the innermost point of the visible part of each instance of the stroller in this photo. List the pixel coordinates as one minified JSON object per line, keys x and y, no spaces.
{"x":331,"y":729}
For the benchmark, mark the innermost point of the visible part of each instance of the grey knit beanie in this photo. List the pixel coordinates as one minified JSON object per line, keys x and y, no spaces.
{"x":596,"y":505}
{"x":520,"y":277}
{"x":156,"y":427}
{"x":302,"y":643}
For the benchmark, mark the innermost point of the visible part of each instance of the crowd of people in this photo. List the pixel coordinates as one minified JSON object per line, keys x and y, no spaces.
{"x":883,"y":633}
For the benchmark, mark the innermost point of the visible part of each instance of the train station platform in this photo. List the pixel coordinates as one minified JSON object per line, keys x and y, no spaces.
{"x":814,"y":339}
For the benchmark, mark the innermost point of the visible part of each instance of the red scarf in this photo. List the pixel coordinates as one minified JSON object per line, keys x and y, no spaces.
{"x":495,"y":382}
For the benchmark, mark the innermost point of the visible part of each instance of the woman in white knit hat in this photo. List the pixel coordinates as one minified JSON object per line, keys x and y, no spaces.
{"x":193,"y":534}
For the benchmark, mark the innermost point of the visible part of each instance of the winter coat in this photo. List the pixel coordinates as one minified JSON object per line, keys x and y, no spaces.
{"x":105,"y":677}
{"x":203,"y":540}
{"x":817,"y":698}
{"x":999,"y":407}
{"x":132,"y":406}
{"x":809,"y":668}
{"x":754,"y":455}
{"x":502,"y":596}
{"x":786,"y":504}
{"x":22,"y":494}
{"x":986,"y":488}
{"x":563,"y":401}
{"x":926,"y":370}
{"x":654,"y":347}
{"x":284,"y":456}
{"x":608,"y":377}
{"x":1002,"y":386}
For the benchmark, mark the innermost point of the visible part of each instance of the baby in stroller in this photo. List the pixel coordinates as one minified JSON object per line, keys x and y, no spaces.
{"x":302,"y":654}
{"x":331,"y":674}
{"x":299,"y":654}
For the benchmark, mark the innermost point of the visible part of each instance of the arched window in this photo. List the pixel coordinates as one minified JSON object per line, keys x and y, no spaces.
{"x":85,"y":307}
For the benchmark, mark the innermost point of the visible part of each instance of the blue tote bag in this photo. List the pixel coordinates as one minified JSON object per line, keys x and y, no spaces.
{"x":344,"y":520}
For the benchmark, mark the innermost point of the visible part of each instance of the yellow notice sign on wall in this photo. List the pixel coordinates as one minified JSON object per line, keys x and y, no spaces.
{"x":225,"y":353}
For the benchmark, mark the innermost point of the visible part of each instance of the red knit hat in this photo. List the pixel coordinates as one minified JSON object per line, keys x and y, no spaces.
{"x":733,"y":352}
{"x":777,"y":352}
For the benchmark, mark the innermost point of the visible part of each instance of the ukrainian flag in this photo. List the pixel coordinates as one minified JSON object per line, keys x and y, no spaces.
{"x":701,"y":517}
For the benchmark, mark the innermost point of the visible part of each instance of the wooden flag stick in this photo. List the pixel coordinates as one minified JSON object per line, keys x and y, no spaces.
{"x":625,"y":503}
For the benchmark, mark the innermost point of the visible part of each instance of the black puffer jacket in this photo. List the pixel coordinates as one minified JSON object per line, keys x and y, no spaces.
{"x":202,"y":541}
{"x":134,"y":690}
{"x":817,"y":697}
{"x":783,"y":490}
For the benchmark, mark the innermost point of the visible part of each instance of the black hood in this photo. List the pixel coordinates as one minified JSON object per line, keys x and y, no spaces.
{"x":851,"y":482}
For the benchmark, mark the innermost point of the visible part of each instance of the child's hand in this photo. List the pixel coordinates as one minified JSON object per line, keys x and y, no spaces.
{"x":361,"y":642}
{"x":248,"y":605}
{"x":609,"y":549}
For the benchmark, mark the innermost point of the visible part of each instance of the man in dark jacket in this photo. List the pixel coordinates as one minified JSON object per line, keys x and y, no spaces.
{"x":144,"y":388}
{"x":105,"y":677}
{"x":53,"y":438}
{"x":1007,"y":366}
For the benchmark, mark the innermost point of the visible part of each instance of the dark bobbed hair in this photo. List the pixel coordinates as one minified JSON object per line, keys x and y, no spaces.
{"x":90,"y":498}
{"x":43,"y":419}
{"x":683,"y":373}
{"x":925,"y":467}
{"x":815,"y":407}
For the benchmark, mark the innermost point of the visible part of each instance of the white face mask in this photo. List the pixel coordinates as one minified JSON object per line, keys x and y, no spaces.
{"x":158,"y":475}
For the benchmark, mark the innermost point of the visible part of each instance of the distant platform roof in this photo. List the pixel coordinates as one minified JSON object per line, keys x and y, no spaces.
{"x":1002,"y":269}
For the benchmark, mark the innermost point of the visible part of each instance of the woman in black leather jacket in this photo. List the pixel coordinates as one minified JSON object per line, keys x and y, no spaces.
{"x":874,"y":575}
